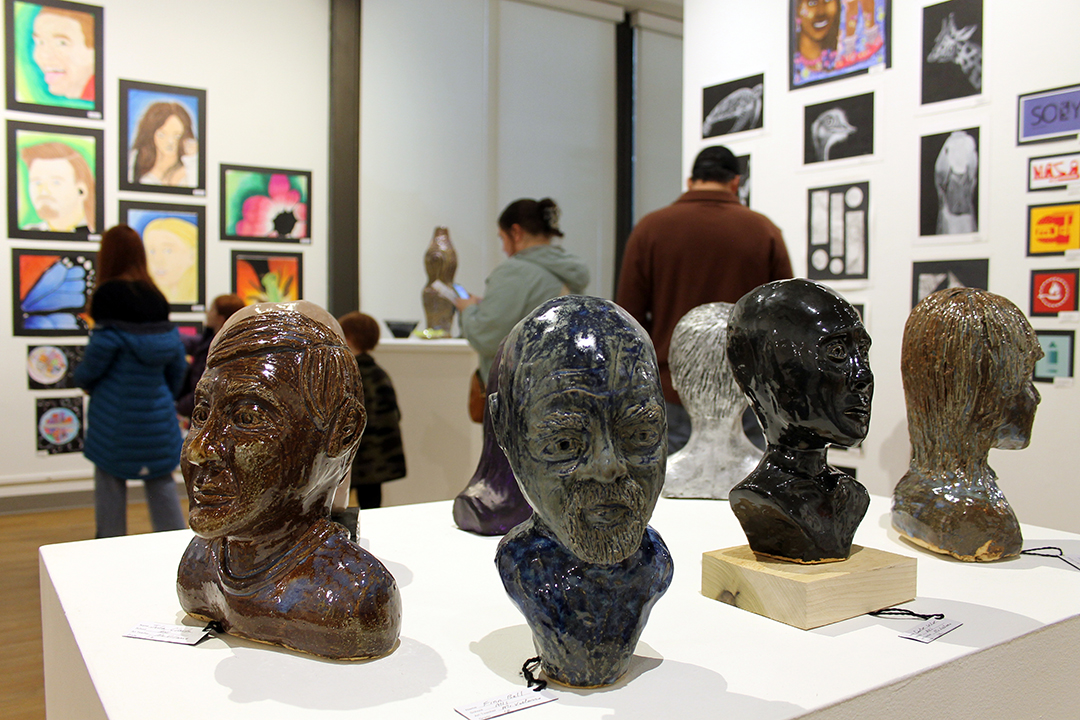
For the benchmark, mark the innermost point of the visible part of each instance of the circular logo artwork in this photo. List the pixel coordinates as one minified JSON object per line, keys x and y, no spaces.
{"x":46,"y":364}
{"x":1053,"y":292}
{"x":59,"y":425}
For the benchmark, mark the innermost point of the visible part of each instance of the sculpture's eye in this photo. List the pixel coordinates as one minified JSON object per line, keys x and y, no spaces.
{"x":247,"y":416}
{"x":562,"y":447}
{"x":642,"y":432}
{"x":836,"y":351}
{"x":200,"y":414}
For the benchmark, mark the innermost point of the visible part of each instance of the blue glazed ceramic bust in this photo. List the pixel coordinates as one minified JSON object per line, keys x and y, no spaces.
{"x":580,"y":414}
{"x":800,"y":353}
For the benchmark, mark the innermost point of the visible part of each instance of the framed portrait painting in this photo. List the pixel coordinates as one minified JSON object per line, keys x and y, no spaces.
{"x":259,"y":203}
{"x":267,"y":277}
{"x":55,"y":182}
{"x":51,"y":291}
{"x":832,"y":39}
{"x":175,"y":240}
{"x":55,"y":58}
{"x":162,"y":138}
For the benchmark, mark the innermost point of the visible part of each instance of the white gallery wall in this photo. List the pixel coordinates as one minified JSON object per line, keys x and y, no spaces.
{"x":264,"y":65}
{"x":726,"y":41}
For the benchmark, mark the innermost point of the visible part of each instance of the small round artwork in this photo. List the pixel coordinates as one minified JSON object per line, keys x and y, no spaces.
{"x":836,"y":266}
{"x":59,"y":425}
{"x":854,"y":196}
{"x":820,"y":259}
{"x":46,"y":364}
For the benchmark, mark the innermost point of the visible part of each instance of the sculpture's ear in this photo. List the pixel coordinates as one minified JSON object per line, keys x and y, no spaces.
{"x":347,"y":428}
{"x":494,"y":408}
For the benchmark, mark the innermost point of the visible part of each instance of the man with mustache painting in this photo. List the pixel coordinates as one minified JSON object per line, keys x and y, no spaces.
{"x":579,"y":412}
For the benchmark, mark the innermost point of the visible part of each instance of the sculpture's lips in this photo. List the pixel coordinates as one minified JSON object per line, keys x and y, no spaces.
{"x":607,"y":514}
{"x":210,"y":494}
{"x":860,"y":412}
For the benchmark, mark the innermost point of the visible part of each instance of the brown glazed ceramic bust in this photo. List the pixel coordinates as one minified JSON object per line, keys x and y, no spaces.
{"x":278,"y":417}
{"x":967,"y":362}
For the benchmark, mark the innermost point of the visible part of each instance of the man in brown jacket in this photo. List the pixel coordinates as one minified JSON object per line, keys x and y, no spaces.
{"x":705,"y":247}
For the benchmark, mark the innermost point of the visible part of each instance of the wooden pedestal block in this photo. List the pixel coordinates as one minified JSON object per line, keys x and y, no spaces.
{"x":808,"y":596}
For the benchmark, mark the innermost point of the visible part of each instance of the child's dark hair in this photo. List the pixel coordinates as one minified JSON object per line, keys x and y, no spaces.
{"x":535,"y":217}
{"x":362,"y":331}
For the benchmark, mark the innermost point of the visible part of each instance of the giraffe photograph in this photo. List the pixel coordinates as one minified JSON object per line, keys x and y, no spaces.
{"x":952,"y":50}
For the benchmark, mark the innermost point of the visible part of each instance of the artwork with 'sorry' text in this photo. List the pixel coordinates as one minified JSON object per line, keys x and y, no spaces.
{"x":1048,"y":115}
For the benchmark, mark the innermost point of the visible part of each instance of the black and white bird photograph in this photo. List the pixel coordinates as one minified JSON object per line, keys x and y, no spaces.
{"x":840,"y":128}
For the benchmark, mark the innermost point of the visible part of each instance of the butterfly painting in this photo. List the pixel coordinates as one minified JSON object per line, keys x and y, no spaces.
{"x":267,"y":277}
{"x":52,"y":292}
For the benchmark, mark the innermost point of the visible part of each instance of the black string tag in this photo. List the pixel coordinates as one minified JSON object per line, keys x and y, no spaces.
{"x":214,"y":627}
{"x":1053,"y":552}
{"x":905,"y":613}
{"x":532,"y":665}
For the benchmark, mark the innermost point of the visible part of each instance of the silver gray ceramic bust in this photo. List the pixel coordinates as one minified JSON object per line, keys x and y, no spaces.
{"x":717,"y":455}
{"x":580,"y":413}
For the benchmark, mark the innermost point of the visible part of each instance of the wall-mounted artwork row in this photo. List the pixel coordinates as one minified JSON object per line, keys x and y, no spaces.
{"x":837,"y":231}
{"x":55,"y":182}
{"x":259,"y":203}
{"x":267,"y":277}
{"x":1053,"y":292}
{"x":1053,"y":172}
{"x":51,"y":290}
{"x":1053,"y":229}
{"x":60,"y":425}
{"x":839,"y":129}
{"x":55,"y":58}
{"x":175,"y":240}
{"x":833,"y":39}
{"x":929,"y":277}
{"x":49,"y":367}
{"x":949,"y":183}
{"x":733,"y":107}
{"x":1048,"y":115}
{"x":952,"y":58}
{"x":162,"y":138}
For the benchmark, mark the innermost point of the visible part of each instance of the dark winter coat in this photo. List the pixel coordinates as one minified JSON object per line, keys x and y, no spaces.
{"x":380,"y":456}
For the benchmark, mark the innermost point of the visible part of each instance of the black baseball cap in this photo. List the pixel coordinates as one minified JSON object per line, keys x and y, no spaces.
{"x":713,"y":163}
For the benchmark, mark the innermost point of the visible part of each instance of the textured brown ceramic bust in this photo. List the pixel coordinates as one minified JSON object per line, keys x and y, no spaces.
{"x":967,"y":363}
{"x":440,"y":262}
{"x":277,"y":419}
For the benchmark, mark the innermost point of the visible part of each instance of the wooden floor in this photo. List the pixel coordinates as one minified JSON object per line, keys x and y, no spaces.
{"x":22,"y":687}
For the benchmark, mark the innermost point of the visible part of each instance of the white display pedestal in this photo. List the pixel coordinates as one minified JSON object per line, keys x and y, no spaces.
{"x":463,"y":641}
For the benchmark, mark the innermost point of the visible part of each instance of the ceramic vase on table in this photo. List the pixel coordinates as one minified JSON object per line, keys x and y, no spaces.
{"x":440,"y":263}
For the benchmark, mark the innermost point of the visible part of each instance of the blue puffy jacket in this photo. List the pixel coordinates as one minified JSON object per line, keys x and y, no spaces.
{"x":132,"y":372}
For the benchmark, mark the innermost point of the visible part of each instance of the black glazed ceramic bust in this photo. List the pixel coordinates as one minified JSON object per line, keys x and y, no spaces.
{"x":800,"y":353}
{"x":967,"y":363}
{"x":580,"y":413}
{"x":492,"y":502}
{"x":278,"y":417}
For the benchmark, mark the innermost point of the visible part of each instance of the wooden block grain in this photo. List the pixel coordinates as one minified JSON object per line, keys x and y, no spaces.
{"x":808,"y":596}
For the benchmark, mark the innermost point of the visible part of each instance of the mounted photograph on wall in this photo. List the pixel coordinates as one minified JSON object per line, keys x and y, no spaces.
{"x":51,"y":291}
{"x":952,"y":56}
{"x":260,"y":203}
{"x":949,"y":183}
{"x":744,"y":179}
{"x":49,"y":367}
{"x":1058,"y":350}
{"x":55,"y":182}
{"x":55,"y":58}
{"x":1053,"y":292}
{"x":162,"y":138}
{"x":833,"y":39}
{"x":837,"y":232}
{"x":839,"y":129}
{"x":267,"y":277}
{"x":733,"y":107}
{"x":175,"y":240}
{"x":1053,"y":172}
{"x":1053,"y":229}
{"x":1048,"y":115}
{"x":929,"y":277}
{"x":60,"y":425}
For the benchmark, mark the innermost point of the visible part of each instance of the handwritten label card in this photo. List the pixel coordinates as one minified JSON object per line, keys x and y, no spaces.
{"x":931,"y":630}
{"x":163,"y":632}
{"x":505,"y":704}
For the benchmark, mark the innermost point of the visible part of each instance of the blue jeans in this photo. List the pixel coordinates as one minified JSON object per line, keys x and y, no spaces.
{"x":110,"y":504}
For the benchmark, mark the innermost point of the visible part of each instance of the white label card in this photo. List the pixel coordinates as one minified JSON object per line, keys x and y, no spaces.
{"x":931,"y":630}
{"x":163,"y":632}
{"x":505,"y":704}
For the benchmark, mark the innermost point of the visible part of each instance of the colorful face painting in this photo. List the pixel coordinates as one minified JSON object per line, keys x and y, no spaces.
{"x":51,"y":292}
{"x":263,"y":277}
{"x":54,"y":182}
{"x":55,"y":58}
{"x":265,"y":203}
{"x":60,"y":425}
{"x":831,"y":39}
{"x":162,"y":136}
{"x":174,"y":238}
{"x":48,"y":367}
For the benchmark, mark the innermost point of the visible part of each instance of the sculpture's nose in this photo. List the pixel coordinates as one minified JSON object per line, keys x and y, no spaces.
{"x":604,"y":464}
{"x":200,"y":449}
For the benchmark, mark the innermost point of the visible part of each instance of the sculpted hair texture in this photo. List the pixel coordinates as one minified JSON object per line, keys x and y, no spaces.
{"x":534,"y":217}
{"x":964,"y":351}
{"x":63,"y":151}
{"x":699,"y":366}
